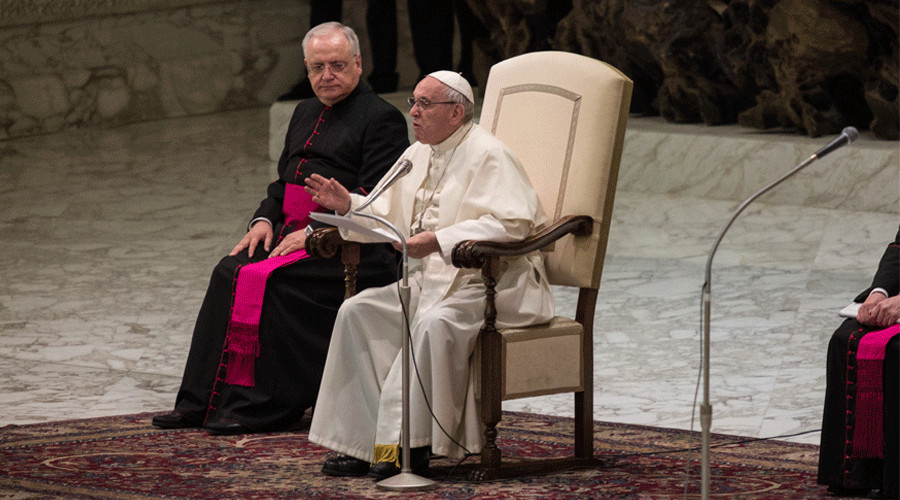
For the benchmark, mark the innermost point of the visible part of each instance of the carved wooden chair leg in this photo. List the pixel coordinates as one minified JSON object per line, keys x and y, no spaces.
{"x":350,"y":259}
{"x":491,"y":404}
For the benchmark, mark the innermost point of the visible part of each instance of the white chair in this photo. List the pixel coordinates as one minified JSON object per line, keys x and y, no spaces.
{"x":564,"y":116}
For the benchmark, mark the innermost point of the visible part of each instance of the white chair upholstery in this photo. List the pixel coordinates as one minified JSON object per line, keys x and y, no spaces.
{"x":564,"y":115}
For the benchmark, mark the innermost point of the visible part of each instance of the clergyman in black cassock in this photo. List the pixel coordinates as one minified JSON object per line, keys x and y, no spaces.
{"x":354,"y":140}
{"x":844,"y":474}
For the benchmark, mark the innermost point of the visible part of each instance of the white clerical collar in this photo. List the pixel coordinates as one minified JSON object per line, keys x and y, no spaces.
{"x":452,"y":141}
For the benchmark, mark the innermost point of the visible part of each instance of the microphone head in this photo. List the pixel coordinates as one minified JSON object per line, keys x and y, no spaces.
{"x":400,"y":170}
{"x":851,"y":133}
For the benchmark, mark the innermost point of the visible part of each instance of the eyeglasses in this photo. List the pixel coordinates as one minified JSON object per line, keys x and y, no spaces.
{"x":425,"y":103}
{"x":334,"y":67}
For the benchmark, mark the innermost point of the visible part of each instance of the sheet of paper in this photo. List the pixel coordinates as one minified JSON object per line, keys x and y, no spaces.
{"x":378,"y":234}
{"x":850,"y":310}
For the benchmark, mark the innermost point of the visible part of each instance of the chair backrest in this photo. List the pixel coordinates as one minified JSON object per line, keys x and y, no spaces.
{"x":564,"y":116}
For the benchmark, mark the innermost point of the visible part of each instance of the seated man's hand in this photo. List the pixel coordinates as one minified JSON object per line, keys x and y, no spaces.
{"x":420,"y":245}
{"x":879,"y":310}
{"x":291,"y":243}
{"x":328,"y":193}
{"x":261,"y":231}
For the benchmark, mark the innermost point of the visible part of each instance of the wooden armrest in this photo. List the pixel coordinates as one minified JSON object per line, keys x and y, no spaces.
{"x":472,"y":253}
{"x":324,"y":242}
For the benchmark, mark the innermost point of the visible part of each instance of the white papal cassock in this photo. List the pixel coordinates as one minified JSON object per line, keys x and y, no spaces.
{"x":470,"y":186}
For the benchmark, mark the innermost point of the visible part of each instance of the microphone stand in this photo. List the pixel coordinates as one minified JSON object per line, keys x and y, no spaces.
{"x":406,"y":480}
{"x":848,"y":135}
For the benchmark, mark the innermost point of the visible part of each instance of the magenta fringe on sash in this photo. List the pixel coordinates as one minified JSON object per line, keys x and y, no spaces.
{"x":242,"y":350}
{"x":868,"y":431}
{"x":242,"y":342}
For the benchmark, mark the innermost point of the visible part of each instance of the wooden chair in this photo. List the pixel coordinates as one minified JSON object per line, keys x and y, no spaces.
{"x":564,"y":116}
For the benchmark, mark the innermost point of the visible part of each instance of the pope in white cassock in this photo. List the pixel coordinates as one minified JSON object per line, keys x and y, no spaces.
{"x":464,"y":184}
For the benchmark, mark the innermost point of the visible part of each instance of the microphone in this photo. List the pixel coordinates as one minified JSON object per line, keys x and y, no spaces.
{"x":402,"y":169}
{"x":847,"y":136}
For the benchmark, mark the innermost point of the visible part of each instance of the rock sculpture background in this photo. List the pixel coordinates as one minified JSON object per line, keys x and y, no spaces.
{"x":814,"y":66}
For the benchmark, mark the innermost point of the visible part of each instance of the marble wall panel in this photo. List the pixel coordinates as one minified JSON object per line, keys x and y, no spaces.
{"x":143,"y":60}
{"x":70,"y":64}
{"x":731,"y":162}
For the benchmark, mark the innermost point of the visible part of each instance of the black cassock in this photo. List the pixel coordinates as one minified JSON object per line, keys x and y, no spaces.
{"x":837,"y":468}
{"x":355,"y":141}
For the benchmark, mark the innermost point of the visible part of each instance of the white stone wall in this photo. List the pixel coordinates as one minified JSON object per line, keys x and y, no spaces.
{"x":154,"y":59}
{"x":77,"y":63}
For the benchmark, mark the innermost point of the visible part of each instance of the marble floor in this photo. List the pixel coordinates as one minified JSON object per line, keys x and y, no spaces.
{"x":109,"y":236}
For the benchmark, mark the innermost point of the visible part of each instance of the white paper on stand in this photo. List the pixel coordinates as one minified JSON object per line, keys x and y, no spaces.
{"x":344,"y":222}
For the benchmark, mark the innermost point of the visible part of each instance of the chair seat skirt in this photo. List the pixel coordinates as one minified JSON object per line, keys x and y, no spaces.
{"x":542,"y":359}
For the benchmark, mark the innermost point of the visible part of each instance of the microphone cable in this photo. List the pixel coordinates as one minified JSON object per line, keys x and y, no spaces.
{"x":720,"y":445}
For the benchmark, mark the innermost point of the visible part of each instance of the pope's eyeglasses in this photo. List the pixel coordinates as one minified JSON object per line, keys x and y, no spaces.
{"x":425,"y":103}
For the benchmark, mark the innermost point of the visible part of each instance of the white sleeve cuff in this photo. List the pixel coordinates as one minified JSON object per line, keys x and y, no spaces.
{"x":254,"y":221}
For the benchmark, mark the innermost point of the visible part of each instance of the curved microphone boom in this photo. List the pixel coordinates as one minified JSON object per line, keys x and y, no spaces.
{"x":399,"y":171}
{"x":847,"y":136}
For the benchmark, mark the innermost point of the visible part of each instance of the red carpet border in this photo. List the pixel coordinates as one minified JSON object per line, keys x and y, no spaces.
{"x":125,"y":457}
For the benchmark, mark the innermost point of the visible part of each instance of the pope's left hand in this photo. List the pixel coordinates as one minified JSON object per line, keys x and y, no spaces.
{"x":420,"y":245}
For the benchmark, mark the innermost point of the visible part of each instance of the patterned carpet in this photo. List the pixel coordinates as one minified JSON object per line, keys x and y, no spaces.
{"x":125,"y":457}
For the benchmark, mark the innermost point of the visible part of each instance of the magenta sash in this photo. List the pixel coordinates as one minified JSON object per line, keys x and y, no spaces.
{"x":242,"y":340}
{"x":298,"y":205}
{"x":868,"y":431}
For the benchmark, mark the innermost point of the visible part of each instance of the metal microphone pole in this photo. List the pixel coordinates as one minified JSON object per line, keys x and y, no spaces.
{"x":406,"y":480}
{"x":848,"y":135}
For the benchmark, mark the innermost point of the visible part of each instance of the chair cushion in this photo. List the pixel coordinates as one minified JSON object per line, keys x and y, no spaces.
{"x":542,"y":359}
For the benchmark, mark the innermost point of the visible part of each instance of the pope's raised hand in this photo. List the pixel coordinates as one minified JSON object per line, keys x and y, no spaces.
{"x":328,"y":193}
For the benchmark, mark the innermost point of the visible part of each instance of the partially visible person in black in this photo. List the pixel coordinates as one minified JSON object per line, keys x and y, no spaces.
{"x":844,"y":474}
{"x":381,"y":23}
{"x":245,"y":377}
{"x":431,"y":26}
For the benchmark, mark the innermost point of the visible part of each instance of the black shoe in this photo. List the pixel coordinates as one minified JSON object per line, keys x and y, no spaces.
{"x":345,"y":466}
{"x":383,"y":470}
{"x":839,"y":491}
{"x":174,"y":421}
{"x":418,"y":463}
{"x":227,"y":428}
